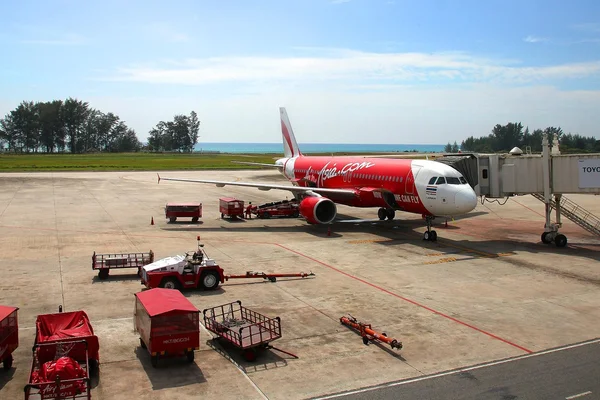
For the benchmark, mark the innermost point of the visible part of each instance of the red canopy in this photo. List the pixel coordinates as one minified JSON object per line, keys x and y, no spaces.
{"x":159,"y":301}
{"x":63,"y":326}
{"x":5,"y":311}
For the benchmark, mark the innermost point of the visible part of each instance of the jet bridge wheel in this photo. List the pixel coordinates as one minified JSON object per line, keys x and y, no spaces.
{"x":560,"y":240}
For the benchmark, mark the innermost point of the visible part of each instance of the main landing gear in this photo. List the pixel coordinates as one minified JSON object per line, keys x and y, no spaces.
{"x":429,"y":234}
{"x":384,"y":213}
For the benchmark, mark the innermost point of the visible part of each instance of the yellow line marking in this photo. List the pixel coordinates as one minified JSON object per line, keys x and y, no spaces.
{"x":441,"y":261}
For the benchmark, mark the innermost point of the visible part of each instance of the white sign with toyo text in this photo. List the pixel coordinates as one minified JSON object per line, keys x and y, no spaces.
{"x":589,"y":173}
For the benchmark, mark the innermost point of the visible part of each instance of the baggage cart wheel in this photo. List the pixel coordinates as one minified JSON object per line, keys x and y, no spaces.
{"x":296,"y":214}
{"x":195,"y":219}
{"x":103,"y":273}
{"x":7,"y":363}
{"x":172,"y":219}
{"x":154,"y":361}
{"x":365,"y":340}
{"x":190,"y":356}
{"x":142,"y":344}
{"x":93,"y":367}
{"x":209,"y":280}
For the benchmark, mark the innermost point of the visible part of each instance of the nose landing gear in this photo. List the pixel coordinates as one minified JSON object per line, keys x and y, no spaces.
{"x":430,"y":234}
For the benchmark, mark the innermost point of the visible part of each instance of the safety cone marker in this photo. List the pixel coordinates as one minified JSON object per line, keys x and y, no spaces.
{"x":152,"y":221}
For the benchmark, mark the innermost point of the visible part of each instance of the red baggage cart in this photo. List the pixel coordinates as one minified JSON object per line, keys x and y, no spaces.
{"x":168,"y":324}
{"x":231,"y":207}
{"x":184,"y":210}
{"x":55,"y":374}
{"x":53,"y":330}
{"x":9,"y":335}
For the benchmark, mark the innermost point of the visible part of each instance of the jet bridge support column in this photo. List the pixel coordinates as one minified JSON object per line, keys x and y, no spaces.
{"x":550,"y":229}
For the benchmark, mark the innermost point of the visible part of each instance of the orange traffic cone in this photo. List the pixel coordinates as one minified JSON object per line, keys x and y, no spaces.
{"x":152,"y":221}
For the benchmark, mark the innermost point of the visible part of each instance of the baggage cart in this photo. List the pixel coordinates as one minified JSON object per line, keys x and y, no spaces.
{"x":247,"y":330}
{"x":168,"y":324}
{"x":55,"y":374}
{"x":103,"y":263}
{"x":9,"y":335}
{"x":183,"y":210}
{"x":54,"y":330}
{"x":231,"y":207}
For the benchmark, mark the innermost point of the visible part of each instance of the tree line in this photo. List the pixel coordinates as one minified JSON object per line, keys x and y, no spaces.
{"x":504,"y":137}
{"x":72,"y":125}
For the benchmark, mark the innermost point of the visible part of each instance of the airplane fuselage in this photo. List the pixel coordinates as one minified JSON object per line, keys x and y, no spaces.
{"x":400,"y":184}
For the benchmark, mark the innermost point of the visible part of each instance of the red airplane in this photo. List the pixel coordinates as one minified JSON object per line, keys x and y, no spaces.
{"x":429,"y":188}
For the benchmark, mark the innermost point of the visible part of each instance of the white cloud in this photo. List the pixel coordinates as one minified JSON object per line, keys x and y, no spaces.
{"x":592,"y":27}
{"x":534,"y":39}
{"x":338,"y":66}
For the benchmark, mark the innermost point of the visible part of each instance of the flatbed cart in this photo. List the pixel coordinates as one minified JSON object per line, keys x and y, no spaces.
{"x":55,"y":374}
{"x":247,"y":330}
{"x":103,"y":263}
{"x":183,"y":210}
{"x":9,"y":335}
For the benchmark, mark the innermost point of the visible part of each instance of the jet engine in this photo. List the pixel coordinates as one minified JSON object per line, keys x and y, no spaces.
{"x":318,"y":210}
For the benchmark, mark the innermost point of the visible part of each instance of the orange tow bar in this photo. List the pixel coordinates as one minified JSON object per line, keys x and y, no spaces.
{"x":368,"y":333}
{"x":270,"y":277}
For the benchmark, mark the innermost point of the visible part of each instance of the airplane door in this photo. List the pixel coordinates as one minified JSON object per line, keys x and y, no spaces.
{"x":410,"y":180}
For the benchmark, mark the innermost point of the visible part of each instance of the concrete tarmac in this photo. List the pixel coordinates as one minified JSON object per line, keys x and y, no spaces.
{"x":487,"y":290}
{"x":564,"y":373}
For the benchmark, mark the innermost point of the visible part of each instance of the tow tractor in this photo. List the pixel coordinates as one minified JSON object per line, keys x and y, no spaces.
{"x":198,"y":270}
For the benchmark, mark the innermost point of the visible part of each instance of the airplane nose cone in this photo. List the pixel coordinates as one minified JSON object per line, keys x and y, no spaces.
{"x":465,"y":201}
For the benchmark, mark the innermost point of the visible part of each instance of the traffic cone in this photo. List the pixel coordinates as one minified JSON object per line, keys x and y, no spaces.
{"x":446,"y":225}
{"x":152,"y":221}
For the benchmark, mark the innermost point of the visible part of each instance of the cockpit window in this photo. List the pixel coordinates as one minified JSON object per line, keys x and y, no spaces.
{"x":453,"y":180}
{"x":432,"y":180}
{"x":440,"y":181}
{"x":463,"y":180}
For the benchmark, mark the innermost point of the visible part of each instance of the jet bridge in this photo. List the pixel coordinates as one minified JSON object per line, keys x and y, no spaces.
{"x":546,"y":176}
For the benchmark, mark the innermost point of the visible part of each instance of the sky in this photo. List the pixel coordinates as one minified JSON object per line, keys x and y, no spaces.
{"x":347,"y":71}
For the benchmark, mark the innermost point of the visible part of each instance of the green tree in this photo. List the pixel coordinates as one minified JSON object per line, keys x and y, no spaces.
{"x":74,"y":117}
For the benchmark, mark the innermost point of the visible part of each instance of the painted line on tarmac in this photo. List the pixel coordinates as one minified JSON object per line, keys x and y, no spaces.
{"x":457,"y":371}
{"x":530,"y":209}
{"x":407,"y":300}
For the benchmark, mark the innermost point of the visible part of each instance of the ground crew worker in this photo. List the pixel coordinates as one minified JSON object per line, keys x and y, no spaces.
{"x":249,"y":211}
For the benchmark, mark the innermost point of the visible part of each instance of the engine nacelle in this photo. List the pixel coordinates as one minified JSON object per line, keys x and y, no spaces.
{"x":318,"y":210}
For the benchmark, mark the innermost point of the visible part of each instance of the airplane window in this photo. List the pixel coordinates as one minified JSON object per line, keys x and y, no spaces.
{"x":463,"y":180}
{"x":432,"y":180}
{"x":440,"y":181}
{"x":453,"y":180}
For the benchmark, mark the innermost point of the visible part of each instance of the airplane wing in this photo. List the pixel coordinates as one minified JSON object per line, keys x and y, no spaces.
{"x":259,"y":164}
{"x":346,"y":193}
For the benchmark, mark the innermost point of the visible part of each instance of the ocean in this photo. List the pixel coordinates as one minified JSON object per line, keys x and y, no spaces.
{"x":311,"y":148}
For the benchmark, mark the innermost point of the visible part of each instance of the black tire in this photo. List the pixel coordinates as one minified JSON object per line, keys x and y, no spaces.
{"x":433,"y":237}
{"x":222,"y":215}
{"x":190,"y":356}
{"x":195,"y":219}
{"x":426,"y":235}
{"x":296,"y":214}
{"x":93,"y":367}
{"x":103,"y":273}
{"x":209,"y":280}
{"x":7,"y":363}
{"x":545,"y":238}
{"x":249,"y":355}
{"x":172,"y":219}
{"x":382,"y":214}
{"x":560,"y":240}
{"x":365,"y":340}
{"x":142,"y":344}
{"x":266,"y":215}
{"x":391,"y":214}
{"x":169,"y":283}
{"x":154,"y":361}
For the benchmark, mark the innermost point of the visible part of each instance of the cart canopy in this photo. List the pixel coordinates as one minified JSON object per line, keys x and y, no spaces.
{"x":61,"y":326}
{"x":169,"y":263}
{"x":5,"y":311}
{"x":161,"y":301}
